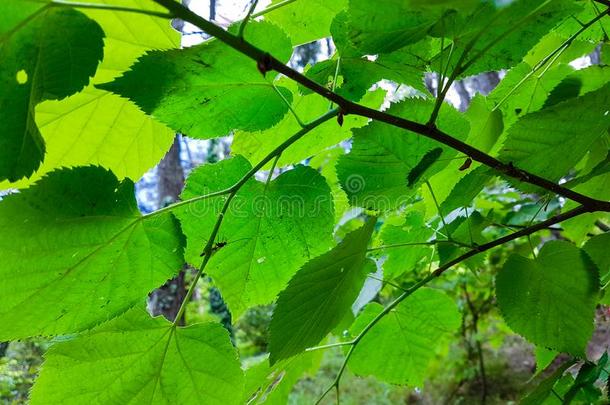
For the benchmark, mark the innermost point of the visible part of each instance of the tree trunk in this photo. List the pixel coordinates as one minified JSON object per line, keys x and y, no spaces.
{"x":166,"y":300}
{"x":462,"y":91}
{"x":485,"y":82}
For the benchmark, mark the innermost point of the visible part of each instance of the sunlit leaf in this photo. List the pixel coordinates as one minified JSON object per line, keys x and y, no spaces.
{"x":144,"y":360}
{"x":76,"y":251}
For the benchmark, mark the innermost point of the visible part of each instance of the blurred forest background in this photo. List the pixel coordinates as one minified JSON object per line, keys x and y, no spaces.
{"x":486,"y":362}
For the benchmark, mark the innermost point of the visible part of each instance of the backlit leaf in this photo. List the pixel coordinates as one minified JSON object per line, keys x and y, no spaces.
{"x":39,"y":62}
{"x":270,"y":230}
{"x":143,"y":360}
{"x":208,"y":90}
{"x":400,"y":347}
{"x":550,"y":300}
{"x":76,"y":251}
{"x":319,"y":295}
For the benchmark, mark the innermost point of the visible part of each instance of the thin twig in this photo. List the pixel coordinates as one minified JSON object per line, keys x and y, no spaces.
{"x":334,"y":85}
{"x":328,"y":346}
{"x":290,"y":108}
{"x":438,"y":209}
{"x":374,"y":277}
{"x":428,"y":243}
{"x":245,"y":21}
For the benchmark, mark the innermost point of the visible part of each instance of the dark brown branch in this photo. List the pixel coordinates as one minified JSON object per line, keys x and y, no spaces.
{"x":349,"y":107}
{"x":523,"y":232}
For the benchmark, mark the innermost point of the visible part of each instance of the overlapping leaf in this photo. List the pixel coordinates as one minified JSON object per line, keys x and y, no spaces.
{"x":491,"y":37}
{"x":399,"y":348}
{"x":500,"y":38}
{"x":403,"y":244}
{"x":256,"y":145}
{"x":306,"y":21}
{"x":357,"y":75}
{"x":75,"y":251}
{"x":208,"y":90}
{"x":597,"y":249}
{"x":270,"y":230}
{"x":319,"y":295}
{"x":272,"y":384}
{"x":578,"y":228}
{"x":518,"y":95}
{"x":143,"y":360}
{"x":39,"y":63}
{"x":98,"y":127}
{"x":550,"y":300}
{"x":387,"y":25}
{"x":551,"y":141}
{"x":387,"y":164}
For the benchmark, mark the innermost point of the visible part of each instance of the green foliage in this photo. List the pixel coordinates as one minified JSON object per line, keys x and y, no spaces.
{"x":207,"y":90}
{"x":35,"y":56}
{"x":256,"y":145}
{"x":359,"y":157}
{"x":543,"y":142}
{"x":74,"y":255}
{"x":261,"y":253}
{"x":320,"y":295}
{"x":398,"y":238}
{"x":375,"y":173}
{"x":306,"y":21}
{"x":551,"y":300}
{"x":135,"y":358}
{"x":400,"y":348}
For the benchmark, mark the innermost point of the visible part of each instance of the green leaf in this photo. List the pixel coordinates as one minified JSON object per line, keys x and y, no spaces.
{"x":403,"y":259}
{"x":357,"y":75}
{"x":306,"y":21}
{"x":545,"y":387}
{"x":467,"y":231}
{"x":466,"y":189}
{"x":208,"y":90}
{"x":578,"y":228}
{"x":91,"y":126}
{"x":36,"y":57}
{"x":550,"y":300}
{"x":486,"y":124}
{"x":504,"y":37}
{"x":387,"y":25}
{"x":596,"y":33}
{"x":551,"y":141}
{"x":544,"y":357}
{"x":551,"y":42}
{"x":273,"y":384}
{"x":320,"y":295}
{"x":400,"y":347}
{"x":142,"y":360}
{"x":256,"y":145}
{"x":76,"y":252}
{"x":270,"y":230}
{"x":374,"y":174}
{"x":597,"y":248}
{"x":516,"y":96}
{"x":325,"y":162}
{"x":578,"y":83}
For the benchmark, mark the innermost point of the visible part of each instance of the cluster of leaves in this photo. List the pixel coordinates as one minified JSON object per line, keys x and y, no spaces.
{"x":91,"y":100}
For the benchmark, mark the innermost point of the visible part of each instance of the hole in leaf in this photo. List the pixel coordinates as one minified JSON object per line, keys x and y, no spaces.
{"x":22,"y":77}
